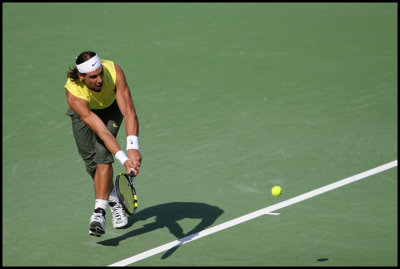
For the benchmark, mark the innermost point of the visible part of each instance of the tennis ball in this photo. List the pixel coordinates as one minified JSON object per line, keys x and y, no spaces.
{"x":276,"y":191}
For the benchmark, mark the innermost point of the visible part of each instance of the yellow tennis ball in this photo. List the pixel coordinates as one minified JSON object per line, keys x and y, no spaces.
{"x":276,"y":191}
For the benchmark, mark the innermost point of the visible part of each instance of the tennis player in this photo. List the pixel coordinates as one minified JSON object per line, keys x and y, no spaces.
{"x":99,"y":99}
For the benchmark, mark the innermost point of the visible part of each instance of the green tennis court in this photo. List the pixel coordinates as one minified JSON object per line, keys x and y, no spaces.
{"x":232,"y":99}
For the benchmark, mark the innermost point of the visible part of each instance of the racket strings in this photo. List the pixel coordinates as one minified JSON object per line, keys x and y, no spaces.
{"x":127,"y":194}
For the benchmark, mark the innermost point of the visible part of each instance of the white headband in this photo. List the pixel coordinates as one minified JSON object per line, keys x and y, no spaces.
{"x":90,"y":65}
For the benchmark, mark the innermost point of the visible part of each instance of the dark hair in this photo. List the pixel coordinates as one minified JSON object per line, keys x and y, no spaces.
{"x":83,"y":57}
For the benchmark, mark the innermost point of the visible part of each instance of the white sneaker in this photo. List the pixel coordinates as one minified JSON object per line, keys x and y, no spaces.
{"x":97,"y":225}
{"x":119,"y":219}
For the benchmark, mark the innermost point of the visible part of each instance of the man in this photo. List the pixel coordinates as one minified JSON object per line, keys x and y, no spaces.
{"x":99,"y":99}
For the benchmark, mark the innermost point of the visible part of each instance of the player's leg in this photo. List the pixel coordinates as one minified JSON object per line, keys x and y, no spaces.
{"x":103,"y":183}
{"x":102,"y":188}
{"x":85,"y":140}
{"x":112,"y":118}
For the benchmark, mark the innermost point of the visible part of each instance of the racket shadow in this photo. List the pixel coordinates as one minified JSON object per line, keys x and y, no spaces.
{"x":167,"y":216}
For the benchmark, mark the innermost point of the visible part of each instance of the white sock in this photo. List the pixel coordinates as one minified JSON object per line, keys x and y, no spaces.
{"x":101,"y":204}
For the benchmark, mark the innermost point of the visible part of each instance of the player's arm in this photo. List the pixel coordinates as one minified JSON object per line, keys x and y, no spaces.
{"x":125,"y":103}
{"x":127,"y":108}
{"x":81,"y":107}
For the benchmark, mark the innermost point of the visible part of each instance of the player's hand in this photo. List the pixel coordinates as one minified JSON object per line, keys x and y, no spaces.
{"x":129,"y":166}
{"x":136,"y":158}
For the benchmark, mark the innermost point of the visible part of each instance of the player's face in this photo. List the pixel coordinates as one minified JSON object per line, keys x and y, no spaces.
{"x":94,"y":79}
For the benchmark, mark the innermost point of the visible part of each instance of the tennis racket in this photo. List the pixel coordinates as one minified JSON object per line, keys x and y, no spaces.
{"x":126,"y":192}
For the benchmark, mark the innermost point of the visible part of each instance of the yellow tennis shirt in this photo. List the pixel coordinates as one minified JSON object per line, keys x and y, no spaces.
{"x":96,"y":100}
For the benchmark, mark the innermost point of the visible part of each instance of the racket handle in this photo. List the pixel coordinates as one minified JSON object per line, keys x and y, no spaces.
{"x":132,"y":173}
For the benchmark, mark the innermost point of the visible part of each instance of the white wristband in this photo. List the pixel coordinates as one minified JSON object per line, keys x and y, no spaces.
{"x":132,"y":142}
{"x":121,"y":157}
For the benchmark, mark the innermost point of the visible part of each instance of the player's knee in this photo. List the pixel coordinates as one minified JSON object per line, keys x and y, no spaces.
{"x":104,"y":166}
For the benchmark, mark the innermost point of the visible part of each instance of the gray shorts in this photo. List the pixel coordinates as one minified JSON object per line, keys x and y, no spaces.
{"x":90,"y":147}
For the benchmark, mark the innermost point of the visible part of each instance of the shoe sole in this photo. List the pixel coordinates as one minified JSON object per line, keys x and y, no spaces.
{"x":94,"y":234}
{"x":95,"y":229}
{"x":119,"y":226}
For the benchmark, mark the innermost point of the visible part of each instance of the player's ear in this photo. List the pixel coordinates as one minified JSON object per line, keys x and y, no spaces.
{"x":81,"y":76}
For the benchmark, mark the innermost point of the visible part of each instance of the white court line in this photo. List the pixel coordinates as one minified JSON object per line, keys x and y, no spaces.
{"x":255,"y":214}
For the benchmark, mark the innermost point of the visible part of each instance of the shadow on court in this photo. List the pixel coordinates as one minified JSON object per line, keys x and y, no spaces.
{"x":167,"y":216}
